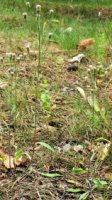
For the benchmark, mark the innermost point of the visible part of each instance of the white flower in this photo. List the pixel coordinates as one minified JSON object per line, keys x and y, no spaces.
{"x":10,"y":54}
{"x":99,"y":14}
{"x":25,"y":15}
{"x":50,"y":35}
{"x":28,"y":4}
{"x":51,"y":11}
{"x":28,"y":46}
{"x":38,"y":7}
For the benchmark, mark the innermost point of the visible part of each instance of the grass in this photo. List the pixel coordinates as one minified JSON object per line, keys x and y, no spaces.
{"x":63,"y":116}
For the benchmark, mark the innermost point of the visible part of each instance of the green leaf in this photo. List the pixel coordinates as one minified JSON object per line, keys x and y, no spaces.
{"x":99,"y":184}
{"x":50,"y":175}
{"x":1,"y":159}
{"x":45,"y":98}
{"x":72,"y":190}
{"x":46,"y":146}
{"x":84,"y":196}
{"x":78,"y":170}
{"x":18,"y":154}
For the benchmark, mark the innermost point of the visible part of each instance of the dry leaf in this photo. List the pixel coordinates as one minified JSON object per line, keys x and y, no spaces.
{"x":2,"y":154}
{"x":103,"y":150}
{"x":108,"y":176}
{"x":76,"y":183}
{"x":50,"y":128}
{"x":86,"y":42}
{"x":77,"y":58}
{"x":9,"y":162}
{"x":3,"y":85}
{"x":82,"y":93}
{"x":19,"y":161}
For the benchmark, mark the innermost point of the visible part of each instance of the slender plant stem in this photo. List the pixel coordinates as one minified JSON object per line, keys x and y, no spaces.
{"x":15,"y":102}
{"x":37,"y":84}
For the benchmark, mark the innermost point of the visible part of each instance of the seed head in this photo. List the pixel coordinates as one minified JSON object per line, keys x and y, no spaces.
{"x":28,"y":46}
{"x":11,"y":55}
{"x":50,"y":35}
{"x":28,"y":4}
{"x":51,"y":11}
{"x":25,"y":15}
{"x":99,"y":14}
{"x":38,"y":8}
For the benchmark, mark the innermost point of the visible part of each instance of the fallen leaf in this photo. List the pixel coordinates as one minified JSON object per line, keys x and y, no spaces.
{"x":2,"y":152}
{"x":105,"y":151}
{"x":102,"y":150}
{"x":78,"y":148}
{"x":82,"y":93}
{"x":3,"y":85}
{"x":77,"y":58}
{"x":86,"y":42}
{"x":18,"y":161}
{"x":50,"y":128}
{"x":108,"y":176}
{"x":9,"y":162}
{"x":76,"y":183}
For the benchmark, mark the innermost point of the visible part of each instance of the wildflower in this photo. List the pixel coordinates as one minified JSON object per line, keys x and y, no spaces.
{"x":25,"y":15}
{"x":50,"y":35}
{"x":1,"y":59}
{"x":28,"y":4}
{"x":11,"y":55}
{"x":99,"y":14}
{"x":28,"y":46}
{"x":19,"y":58}
{"x":51,"y":11}
{"x":38,"y":8}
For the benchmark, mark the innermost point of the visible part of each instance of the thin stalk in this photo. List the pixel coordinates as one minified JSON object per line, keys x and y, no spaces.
{"x":15,"y":102}
{"x":9,"y":133}
{"x":37,"y":84}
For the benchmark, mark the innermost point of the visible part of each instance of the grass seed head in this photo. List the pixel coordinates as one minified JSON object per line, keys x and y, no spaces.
{"x":28,"y":4}
{"x":50,"y":35}
{"x":11,"y":55}
{"x":51,"y":11}
{"x":25,"y":15}
{"x":38,"y":8}
{"x":99,"y":14}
